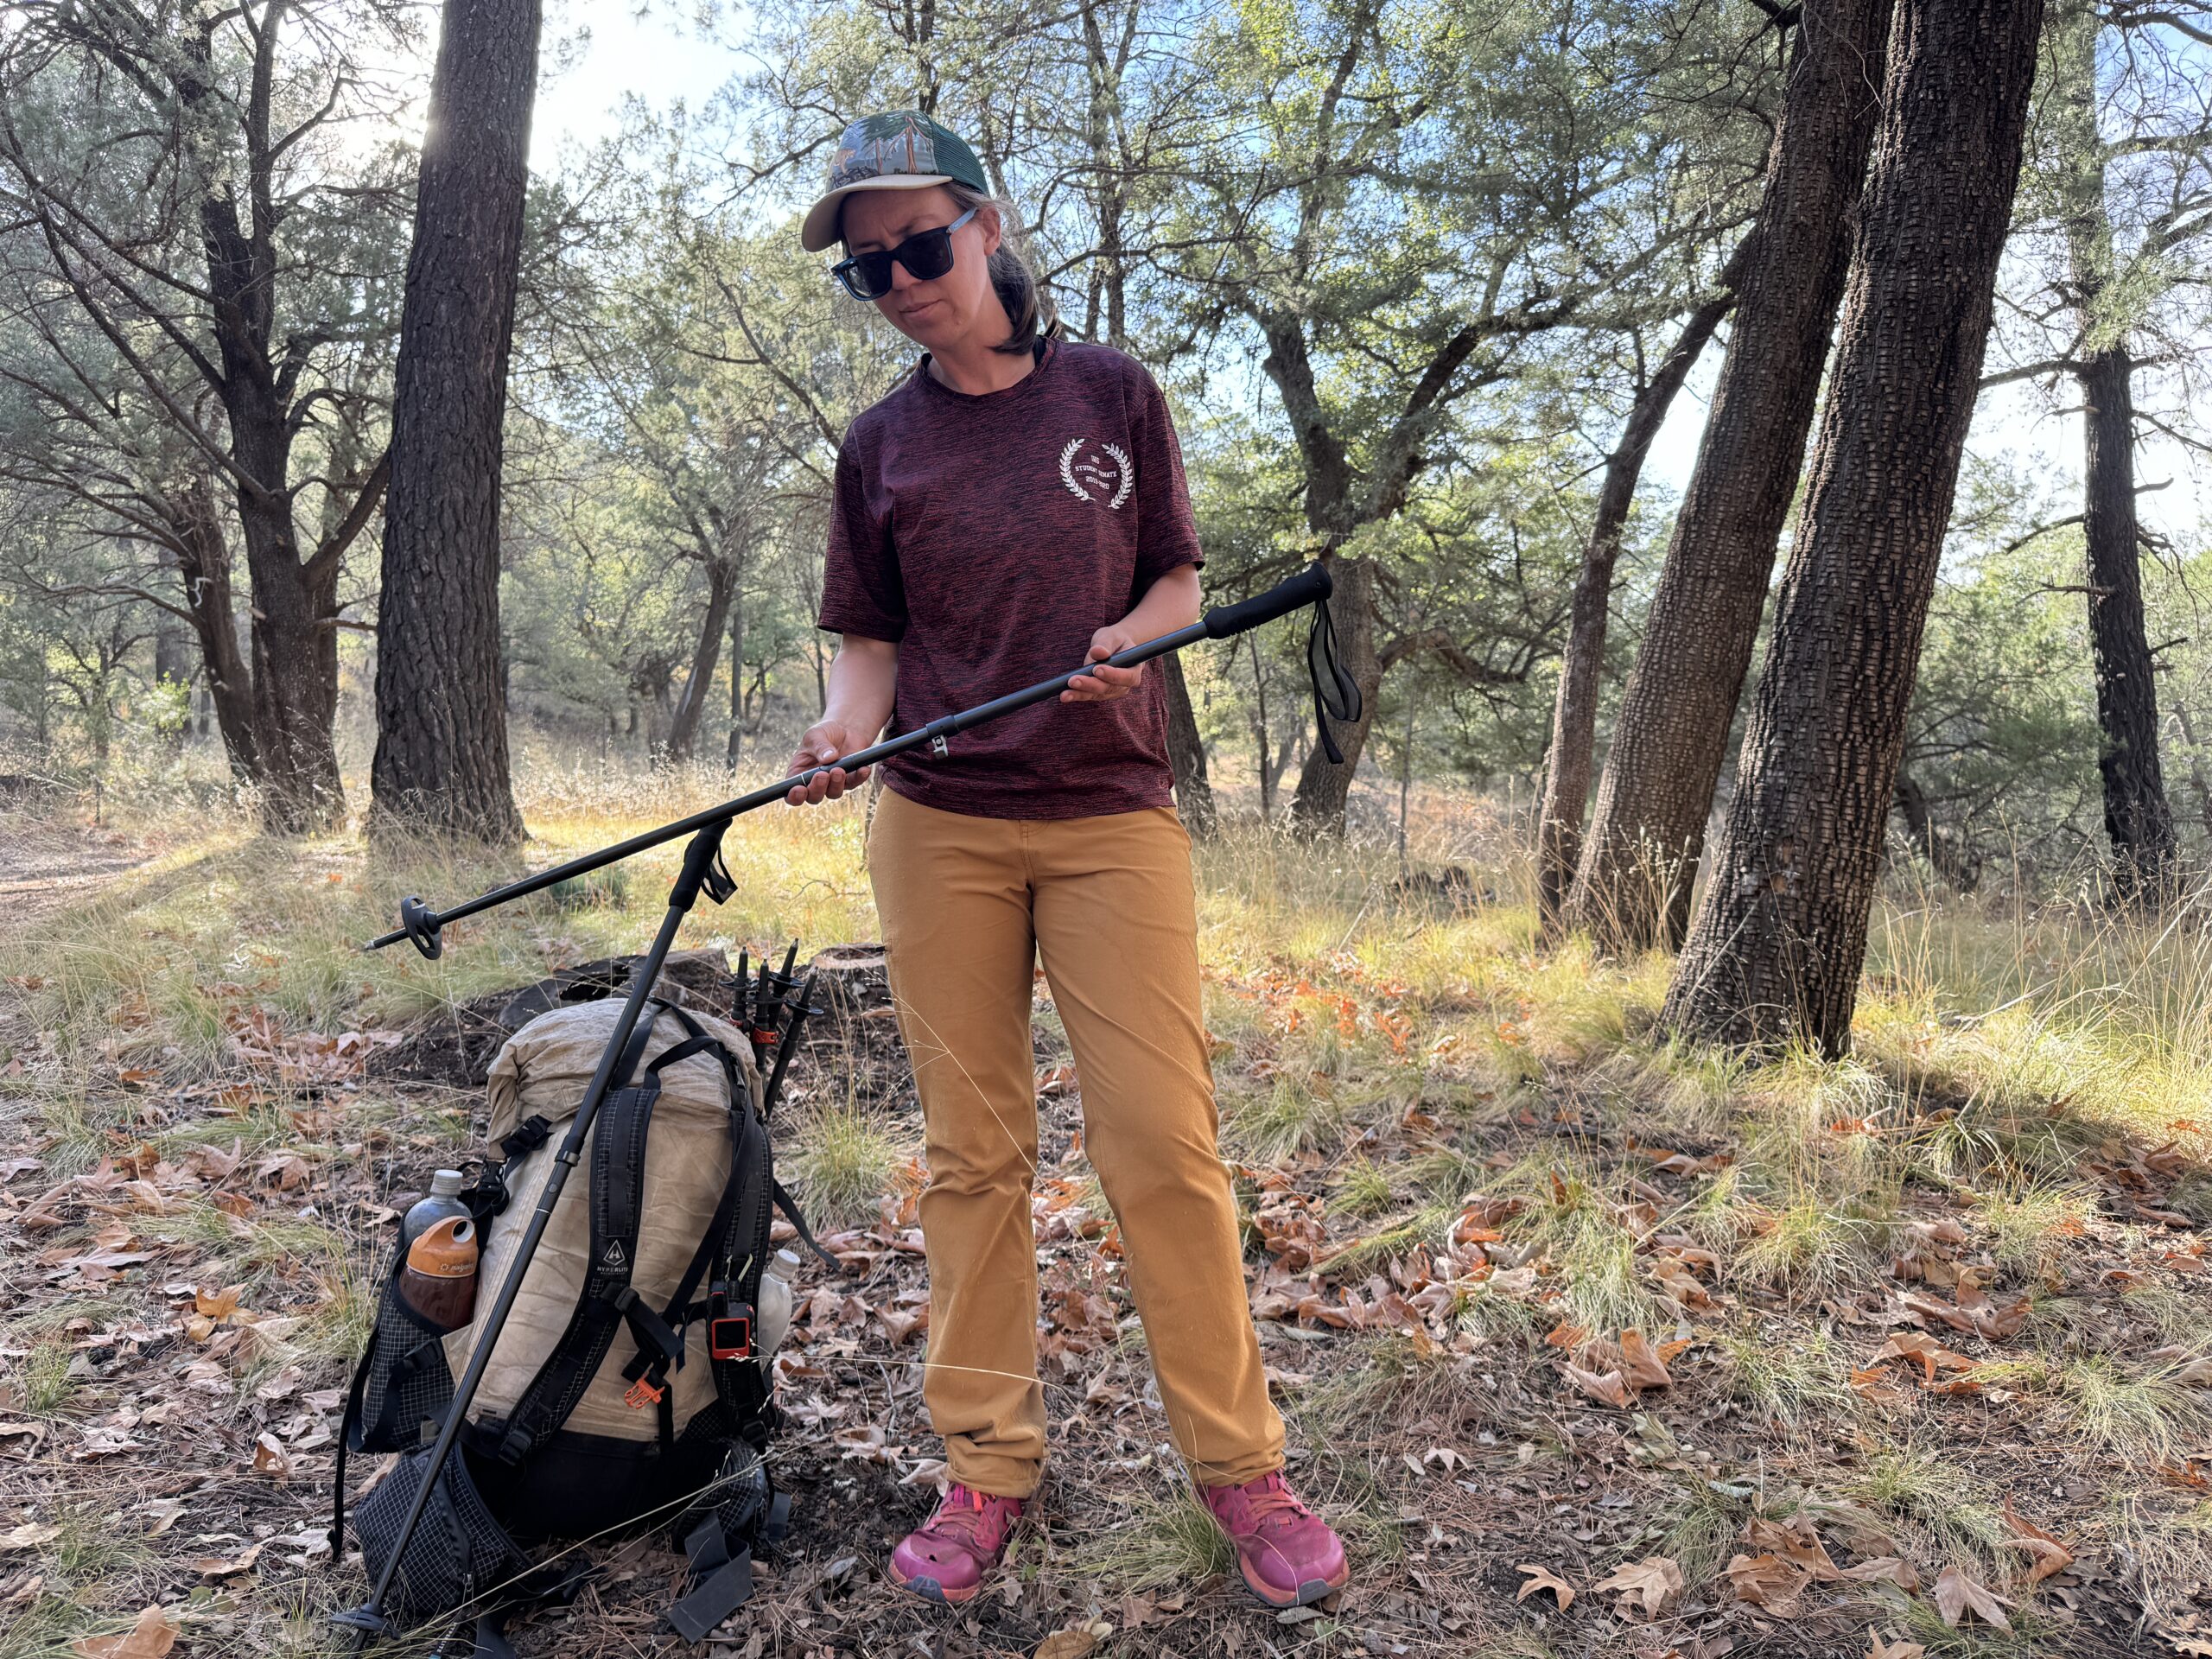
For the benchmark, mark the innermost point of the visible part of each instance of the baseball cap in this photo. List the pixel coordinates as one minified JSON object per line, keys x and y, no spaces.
{"x":897,"y":150}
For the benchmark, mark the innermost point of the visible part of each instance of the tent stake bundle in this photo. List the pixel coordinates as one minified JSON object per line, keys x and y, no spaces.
{"x":703,"y":871}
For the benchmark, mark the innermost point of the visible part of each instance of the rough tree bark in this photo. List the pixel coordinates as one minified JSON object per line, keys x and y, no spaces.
{"x":1646,"y":830}
{"x":1568,"y":764}
{"x":691,"y":704}
{"x":203,"y":560}
{"x":1187,"y":753}
{"x":441,"y":741}
{"x":1780,"y":935}
{"x":2138,"y":821}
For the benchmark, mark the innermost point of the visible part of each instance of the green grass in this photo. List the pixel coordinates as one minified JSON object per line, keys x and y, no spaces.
{"x":843,"y":1157}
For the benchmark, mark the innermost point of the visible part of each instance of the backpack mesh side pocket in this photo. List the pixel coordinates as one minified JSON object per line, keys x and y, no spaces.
{"x":408,"y":1383}
{"x":460,"y":1557}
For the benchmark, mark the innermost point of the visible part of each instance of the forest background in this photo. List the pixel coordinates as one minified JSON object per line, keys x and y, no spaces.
{"x":1775,"y":422}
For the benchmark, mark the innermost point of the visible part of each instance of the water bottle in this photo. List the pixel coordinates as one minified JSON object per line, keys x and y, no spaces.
{"x":444,"y":1201}
{"x":776,"y":1298}
{"x":439,"y":1281}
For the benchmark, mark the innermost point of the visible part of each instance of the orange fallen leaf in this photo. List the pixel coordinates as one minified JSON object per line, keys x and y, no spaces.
{"x":217,"y":1304}
{"x":1794,"y":1542}
{"x":1767,"y":1581}
{"x":1640,"y":1367}
{"x":1604,"y":1386}
{"x":1543,"y":1579}
{"x":153,"y":1635}
{"x":2046,"y":1555}
{"x":1900,"y":1649}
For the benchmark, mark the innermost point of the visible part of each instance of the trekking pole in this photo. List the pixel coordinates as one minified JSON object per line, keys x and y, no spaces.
{"x":699,"y":858}
{"x":420,"y":925}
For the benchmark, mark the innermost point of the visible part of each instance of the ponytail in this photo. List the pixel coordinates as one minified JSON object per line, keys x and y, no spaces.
{"x":1026,"y":306}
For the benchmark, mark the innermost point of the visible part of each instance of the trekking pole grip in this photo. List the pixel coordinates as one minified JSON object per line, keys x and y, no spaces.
{"x":1311,"y":586}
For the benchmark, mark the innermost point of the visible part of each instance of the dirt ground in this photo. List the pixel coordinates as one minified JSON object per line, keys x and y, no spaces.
{"x":186,"y":1262}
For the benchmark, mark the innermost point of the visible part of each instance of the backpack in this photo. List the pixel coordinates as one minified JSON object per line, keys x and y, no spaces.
{"x":626,"y":1386}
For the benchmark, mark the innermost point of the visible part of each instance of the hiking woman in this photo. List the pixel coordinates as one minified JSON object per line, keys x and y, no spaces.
{"x":1017,"y":502}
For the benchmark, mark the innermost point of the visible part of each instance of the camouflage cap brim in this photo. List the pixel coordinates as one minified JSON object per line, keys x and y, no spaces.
{"x":820,"y":229}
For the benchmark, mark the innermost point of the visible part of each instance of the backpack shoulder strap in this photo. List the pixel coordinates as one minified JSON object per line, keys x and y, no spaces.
{"x":618,"y":1181}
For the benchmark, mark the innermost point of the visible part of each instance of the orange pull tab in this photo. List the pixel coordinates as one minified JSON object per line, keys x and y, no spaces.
{"x":642,"y":1393}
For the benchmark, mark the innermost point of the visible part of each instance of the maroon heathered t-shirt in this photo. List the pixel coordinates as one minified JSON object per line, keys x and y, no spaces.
{"x":990,"y":537}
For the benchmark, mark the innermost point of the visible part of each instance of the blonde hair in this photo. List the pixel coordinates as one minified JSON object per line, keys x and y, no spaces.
{"x":1031,"y":314}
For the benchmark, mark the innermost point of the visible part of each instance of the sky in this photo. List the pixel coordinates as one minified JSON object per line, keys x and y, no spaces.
{"x":612,"y":52}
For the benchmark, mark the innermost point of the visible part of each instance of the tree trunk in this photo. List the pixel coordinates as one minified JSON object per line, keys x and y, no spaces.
{"x":203,"y":560}
{"x":2137,"y":820}
{"x":294,"y":644}
{"x":736,"y":679}
{"x":1639,"y":860}
{"x":691,"y":706}
{"x":1318,"y":807}
{"x":1574,"y":709}
{"x":441,"y":741}
{"x":1953,"y":862}
{"x":1186,"y":752}
{"x":1780,"y":935}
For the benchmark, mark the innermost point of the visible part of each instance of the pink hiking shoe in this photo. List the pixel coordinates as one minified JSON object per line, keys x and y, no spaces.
{"x":945,"y":1558}
{"x":1289,"y":1556}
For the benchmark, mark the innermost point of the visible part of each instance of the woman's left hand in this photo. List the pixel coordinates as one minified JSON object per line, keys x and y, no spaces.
{"x":1104,"y":685}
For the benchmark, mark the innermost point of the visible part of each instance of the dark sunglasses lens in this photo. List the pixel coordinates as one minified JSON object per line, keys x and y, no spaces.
{"x":928,"y":256}
{"x":866,"y":275}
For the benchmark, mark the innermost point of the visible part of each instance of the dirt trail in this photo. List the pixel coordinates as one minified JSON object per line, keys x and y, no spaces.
{"x":48,"y":863}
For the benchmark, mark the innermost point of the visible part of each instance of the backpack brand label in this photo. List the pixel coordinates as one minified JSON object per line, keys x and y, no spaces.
{"x":613,"y":1255}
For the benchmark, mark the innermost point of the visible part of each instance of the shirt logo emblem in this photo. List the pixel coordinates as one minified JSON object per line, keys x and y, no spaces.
{"x":1097,"y":472}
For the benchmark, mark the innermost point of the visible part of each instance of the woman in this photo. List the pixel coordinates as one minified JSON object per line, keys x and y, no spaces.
{"x":1019,"y":501}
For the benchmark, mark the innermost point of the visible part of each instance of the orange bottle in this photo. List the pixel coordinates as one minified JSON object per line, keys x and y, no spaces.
{"x":439,"y":1281}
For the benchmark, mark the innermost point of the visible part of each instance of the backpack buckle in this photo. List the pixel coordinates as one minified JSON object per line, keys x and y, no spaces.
{"x":642,"y":1393}
{"x":730,"y":1336}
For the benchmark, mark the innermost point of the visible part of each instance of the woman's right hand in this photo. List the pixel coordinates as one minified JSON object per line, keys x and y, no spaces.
{"x":823,"y":743}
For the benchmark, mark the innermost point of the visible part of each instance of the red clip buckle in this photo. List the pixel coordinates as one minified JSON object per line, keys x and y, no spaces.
{"x":721,"y":1345}
{"x":642,"y":1393}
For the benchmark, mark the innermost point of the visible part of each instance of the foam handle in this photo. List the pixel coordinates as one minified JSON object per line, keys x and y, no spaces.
{"x":1310,"y":587}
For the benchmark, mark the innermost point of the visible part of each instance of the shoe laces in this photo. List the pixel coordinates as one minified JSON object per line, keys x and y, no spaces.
{"x":963,"y":1515}
{"x":1274,"y":1505}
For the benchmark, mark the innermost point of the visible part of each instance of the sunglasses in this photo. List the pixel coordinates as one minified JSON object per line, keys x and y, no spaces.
{"x":926,"y":255}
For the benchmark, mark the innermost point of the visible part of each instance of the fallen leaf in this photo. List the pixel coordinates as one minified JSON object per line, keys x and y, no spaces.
{"x":2046,"y":1555}
{"x":1888,"y":1569}
{"x":269,"y":1456}
{"x":214,"y":1567}
{"x":930,"y":1471}
{"x":154,"y":1635}
{"x":1075,"y":1640}
{"x":1767,"y":1581}
{"x":1959,"y":1592}
{"x":1794,"y":1542}
{"x":216,"y":1304}
{"x":1900,"y":1649}
{"x":1641,"y":1366}
{"x":1605,"y":1386}
{"x":30,"y":1536}
{"x":1542,"y":1577}
{"x":1649,"y":1585}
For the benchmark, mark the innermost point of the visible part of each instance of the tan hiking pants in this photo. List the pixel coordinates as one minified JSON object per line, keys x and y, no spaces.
{"x":968,"y":904}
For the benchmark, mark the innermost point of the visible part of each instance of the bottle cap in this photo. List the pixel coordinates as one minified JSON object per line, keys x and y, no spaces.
{"x":786,"y":1264}
{"x":446,"y":1184}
